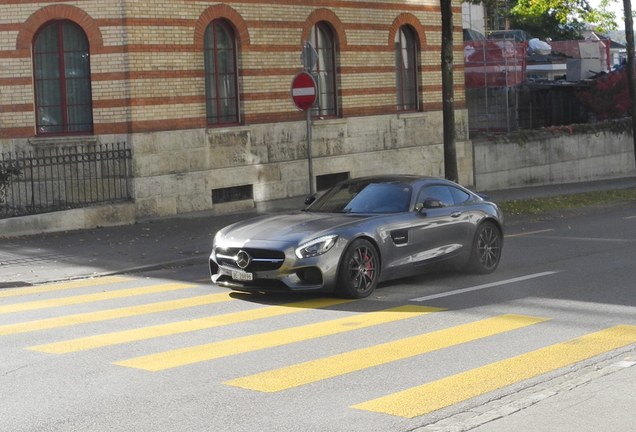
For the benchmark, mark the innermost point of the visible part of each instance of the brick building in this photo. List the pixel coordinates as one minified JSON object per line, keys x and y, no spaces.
{"x":201,"y":92}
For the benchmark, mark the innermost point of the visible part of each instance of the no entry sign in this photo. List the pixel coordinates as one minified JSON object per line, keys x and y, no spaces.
{"x":303,"y":91}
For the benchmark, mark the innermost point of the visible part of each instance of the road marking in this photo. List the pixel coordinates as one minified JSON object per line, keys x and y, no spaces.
{"x":522,"y":234}
{"x":589,"y":239}
{"x":126,"y":336}
{"x":448,"y":391}
{"x":630,"y":217}
{"x":14,"y":292}
{"x":90,"y":298}
{"x":111,"y":314}
{"x":364,"y":358}
{"x":215,"y":350}
{"x":484,"y":286}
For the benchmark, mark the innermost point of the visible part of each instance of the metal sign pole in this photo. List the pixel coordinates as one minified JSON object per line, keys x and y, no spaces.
{"x":309,"y":58}
{"x":312,"y":189}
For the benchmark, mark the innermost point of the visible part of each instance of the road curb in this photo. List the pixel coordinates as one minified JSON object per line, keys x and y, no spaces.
{"x":511,"y":403}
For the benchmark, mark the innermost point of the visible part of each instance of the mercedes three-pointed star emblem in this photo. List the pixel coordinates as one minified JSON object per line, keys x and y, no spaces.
{"x":243,"y":259}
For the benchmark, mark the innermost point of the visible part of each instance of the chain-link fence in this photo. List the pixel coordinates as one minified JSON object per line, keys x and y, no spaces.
{"x":507,"y":89}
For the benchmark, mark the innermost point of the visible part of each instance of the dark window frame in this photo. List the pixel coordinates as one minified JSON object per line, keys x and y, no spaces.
{"x":407,"y":79}
{"x":232,"y":194}
{"x":327,"y":74}
{"x":216,"y":80}
{"x":68,"y":123}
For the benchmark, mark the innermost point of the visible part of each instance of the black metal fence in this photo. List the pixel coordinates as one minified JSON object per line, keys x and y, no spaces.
{"x":527,"y":106}
{"x":56,"y":179}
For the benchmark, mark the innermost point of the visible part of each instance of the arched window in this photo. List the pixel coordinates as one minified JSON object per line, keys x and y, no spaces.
{"x":221,"y":75}
{"x":323,"y":40}
{"x":406,"y":69}
{"x":62,"y":76}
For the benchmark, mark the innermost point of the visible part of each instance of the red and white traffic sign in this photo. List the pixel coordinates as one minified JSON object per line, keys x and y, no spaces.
{"x":304,"y":91}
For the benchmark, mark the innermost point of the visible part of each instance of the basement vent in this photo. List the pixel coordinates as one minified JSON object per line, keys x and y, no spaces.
{"x":325,"y":181}
{"x":234,"y":193}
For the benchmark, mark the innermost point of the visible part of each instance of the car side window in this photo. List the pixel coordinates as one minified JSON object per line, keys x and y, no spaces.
{"x":459,"y":196}
{"x":437,"y":192}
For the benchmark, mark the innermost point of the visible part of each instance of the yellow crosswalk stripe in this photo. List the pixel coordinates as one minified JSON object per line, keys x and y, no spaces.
{"x":15,"y":292}
{"x":329,"y":367}
{"x":215,"y":350}
{"x":111,"y":314}
{"x":126,"y":336}
{"x":448,"y":391}
{"x":90,"y":298}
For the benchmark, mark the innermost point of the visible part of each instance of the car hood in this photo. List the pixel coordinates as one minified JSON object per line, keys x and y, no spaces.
{"x":293,"y":227}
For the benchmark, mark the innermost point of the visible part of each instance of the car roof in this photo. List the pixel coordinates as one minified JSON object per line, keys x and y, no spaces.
{"x":397,"y":178}
{"x":414,"y":181}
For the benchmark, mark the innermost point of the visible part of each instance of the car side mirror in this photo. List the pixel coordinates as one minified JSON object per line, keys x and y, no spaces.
{"x":428,"y":203}
{"x":432,"y":203}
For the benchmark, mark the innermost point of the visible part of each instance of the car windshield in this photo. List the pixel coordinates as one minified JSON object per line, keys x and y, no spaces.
{"x":364,"y":197}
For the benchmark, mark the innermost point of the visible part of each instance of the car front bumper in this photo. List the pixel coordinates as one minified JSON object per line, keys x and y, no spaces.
{"x":317,"y":273}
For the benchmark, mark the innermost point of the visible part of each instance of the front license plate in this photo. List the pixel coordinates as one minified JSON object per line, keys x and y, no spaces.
{"x":242,"y":276}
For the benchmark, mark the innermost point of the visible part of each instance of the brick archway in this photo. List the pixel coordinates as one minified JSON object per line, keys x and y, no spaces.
{"x":221,"y":12}
{"x":412,"y":21}
{"x":329,"y":17}
{"x":60,"y":12}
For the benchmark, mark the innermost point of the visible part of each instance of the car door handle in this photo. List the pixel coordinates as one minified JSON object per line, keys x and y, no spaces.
{"x":456,"y":214}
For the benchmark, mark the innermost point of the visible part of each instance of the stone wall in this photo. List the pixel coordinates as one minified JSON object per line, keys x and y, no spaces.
{"x":559,"y":155}
{"x":176,"y":172}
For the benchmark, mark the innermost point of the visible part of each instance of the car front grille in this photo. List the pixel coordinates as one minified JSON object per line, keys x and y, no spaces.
{"x":260,"y":259}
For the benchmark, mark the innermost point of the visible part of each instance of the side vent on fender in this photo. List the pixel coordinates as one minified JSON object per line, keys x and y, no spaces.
{"x":400,"y":237}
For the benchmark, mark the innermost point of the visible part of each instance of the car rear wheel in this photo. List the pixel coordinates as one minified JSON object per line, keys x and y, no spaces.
{"x":486,"y":249}
{"x":359,"y":270}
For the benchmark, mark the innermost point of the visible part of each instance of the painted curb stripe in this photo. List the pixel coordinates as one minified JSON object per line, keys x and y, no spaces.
{"x":90,"y":298}
{"x":200,"y":353}
{"x":448,"y":391}
{"x":329,"y":367}
{"x":126,"y":336}
{"x":15,"y":292}
{"x":111,"y":314}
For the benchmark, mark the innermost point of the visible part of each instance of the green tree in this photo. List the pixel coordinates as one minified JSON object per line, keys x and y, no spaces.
{"x":557,"y":19}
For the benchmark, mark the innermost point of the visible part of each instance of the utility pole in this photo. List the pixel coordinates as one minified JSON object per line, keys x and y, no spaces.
{"x":629,"y":38}
{"x":448,"y":98}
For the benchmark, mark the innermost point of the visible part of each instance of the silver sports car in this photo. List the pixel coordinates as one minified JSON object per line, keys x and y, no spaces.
{"x":358,"y":233}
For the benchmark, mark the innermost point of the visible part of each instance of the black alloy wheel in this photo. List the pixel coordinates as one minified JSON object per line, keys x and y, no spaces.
{"x":359,"y":270}
{"x":486,"y":249}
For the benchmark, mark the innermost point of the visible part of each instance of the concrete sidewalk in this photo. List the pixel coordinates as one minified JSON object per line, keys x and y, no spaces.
{"x":158,"y":243}
{"x":599,"y":397}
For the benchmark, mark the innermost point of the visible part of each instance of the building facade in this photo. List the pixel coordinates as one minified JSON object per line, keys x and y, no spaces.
{"x":201,"y":92}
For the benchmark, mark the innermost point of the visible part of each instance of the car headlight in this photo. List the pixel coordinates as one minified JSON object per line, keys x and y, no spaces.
{"x":316,"y":247}
{"x":218,"y":239}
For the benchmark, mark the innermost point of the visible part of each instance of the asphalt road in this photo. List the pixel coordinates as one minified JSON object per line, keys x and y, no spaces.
{"x":166,"y":351}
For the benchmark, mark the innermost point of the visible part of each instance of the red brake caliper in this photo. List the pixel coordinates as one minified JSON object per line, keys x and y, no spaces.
{"x":368,"y":263}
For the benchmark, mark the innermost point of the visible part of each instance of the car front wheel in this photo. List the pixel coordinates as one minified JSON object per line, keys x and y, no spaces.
{"x":359,"y":270}
{"x":486,"y":249}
